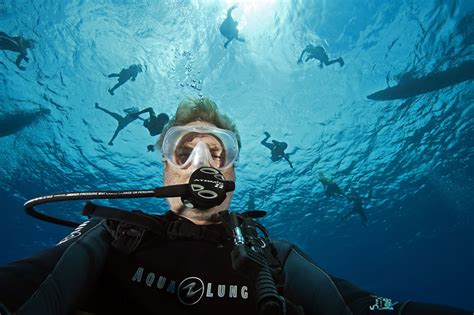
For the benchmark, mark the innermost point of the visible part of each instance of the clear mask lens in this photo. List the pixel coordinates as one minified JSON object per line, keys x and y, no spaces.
{"x":200,"y":146}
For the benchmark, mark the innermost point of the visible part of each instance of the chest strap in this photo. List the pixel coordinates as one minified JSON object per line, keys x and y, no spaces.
{"x":130,"y":229}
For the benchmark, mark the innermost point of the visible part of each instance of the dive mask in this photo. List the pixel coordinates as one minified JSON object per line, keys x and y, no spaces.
{"x":184,"y":146}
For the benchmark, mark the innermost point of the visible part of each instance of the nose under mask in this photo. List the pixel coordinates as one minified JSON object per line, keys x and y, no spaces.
{"x":200,"y":156}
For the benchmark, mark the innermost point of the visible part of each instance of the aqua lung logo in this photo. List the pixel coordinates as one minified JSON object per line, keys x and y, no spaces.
{"x":74,"y":234}
{"x":382,"y":304}
{"x":191,"y":290}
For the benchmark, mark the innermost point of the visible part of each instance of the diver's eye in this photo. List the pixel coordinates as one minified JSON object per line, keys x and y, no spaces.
{"x":182,"y":154}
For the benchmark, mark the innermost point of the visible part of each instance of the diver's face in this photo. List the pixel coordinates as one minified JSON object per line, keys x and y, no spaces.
{"x":174,"y":175}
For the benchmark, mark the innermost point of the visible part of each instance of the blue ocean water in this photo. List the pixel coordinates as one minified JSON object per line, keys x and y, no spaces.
{"x":414,"y":156}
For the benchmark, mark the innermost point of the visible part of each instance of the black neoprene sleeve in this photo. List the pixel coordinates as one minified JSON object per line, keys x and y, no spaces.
{"x":20,"y":279}
{"x":319,"y":293}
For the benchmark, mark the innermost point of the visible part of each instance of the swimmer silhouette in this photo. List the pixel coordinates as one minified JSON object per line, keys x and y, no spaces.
{"x":13,"y":122}
{"x":154,"y":124}
{"x":330,"y":186}
{"x":318,"y":52}
{"x":229,"y":29}
{"x":277,"y":148}
{"x":357,"y":207}
{"x":124,"y":75}
{"x":132,"y":114}
{"x":409,"y":86}
{"x":16,"y":44}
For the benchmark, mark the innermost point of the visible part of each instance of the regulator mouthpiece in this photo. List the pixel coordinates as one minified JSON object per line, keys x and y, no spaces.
{"x":207,"y":189}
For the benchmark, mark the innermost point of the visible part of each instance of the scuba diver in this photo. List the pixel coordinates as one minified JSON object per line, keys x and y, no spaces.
{"x":357,"y":208}
{"x":132,"y":114}
{"x":196,"y":258}
{"x":277,"y":148}
{"x":330,"y":186}
{"x":124,"y":75}
{"x":318,"y":52}
{"x":17,"y":44}
{"x":229,"y":29}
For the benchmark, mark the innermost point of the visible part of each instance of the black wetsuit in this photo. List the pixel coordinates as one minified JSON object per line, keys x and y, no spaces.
{"x":190,"y":276}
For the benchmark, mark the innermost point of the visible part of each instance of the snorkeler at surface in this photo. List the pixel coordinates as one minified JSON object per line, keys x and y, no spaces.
{"x":16,"y":44}
{"x":132,"y":114}
{"x":229,"y":29}
{"x":124,"y":75}
{"x":318,"y":52}
{"x":277,"y":148}
{"x":154,"y":124}
{"x":330,"y":186}
{"x":357,"y":207}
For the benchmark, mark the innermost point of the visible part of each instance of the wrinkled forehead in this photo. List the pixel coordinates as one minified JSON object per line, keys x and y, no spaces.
{"x":199,"y":123}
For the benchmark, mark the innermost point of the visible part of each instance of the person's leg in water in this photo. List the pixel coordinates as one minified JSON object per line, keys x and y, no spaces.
{"x":328,"y":62}
{"x":363,"y":217}
{"x":265,"y":143}
{"x":122,"y":78}
{"x":324,"y":58}
{"x":120,"y":121}
{"x":119,"y":128}
{"x":116,"y":86}
{"x":18,"y":60}
{"x":114,"y":115}
{"x":287,"y":158}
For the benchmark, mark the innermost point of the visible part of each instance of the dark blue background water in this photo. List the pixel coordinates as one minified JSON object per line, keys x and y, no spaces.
{"x":415,"y":155}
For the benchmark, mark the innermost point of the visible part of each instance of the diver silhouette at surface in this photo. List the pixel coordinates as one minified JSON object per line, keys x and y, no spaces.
{"x":124,"y":75}
{"x":154,"y":124}
{"x":318,"y":52}
{"x":357,"y":206}
{"x":132,"y":114}
{"x":330,"y":186}
{"x":16,"y":44}
{"x":229,"y":29}
{"x":277,"y":148}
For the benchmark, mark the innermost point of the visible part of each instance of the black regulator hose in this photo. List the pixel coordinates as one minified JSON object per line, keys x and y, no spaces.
{"x":207,"y":188}
{"x":248,"y":258}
